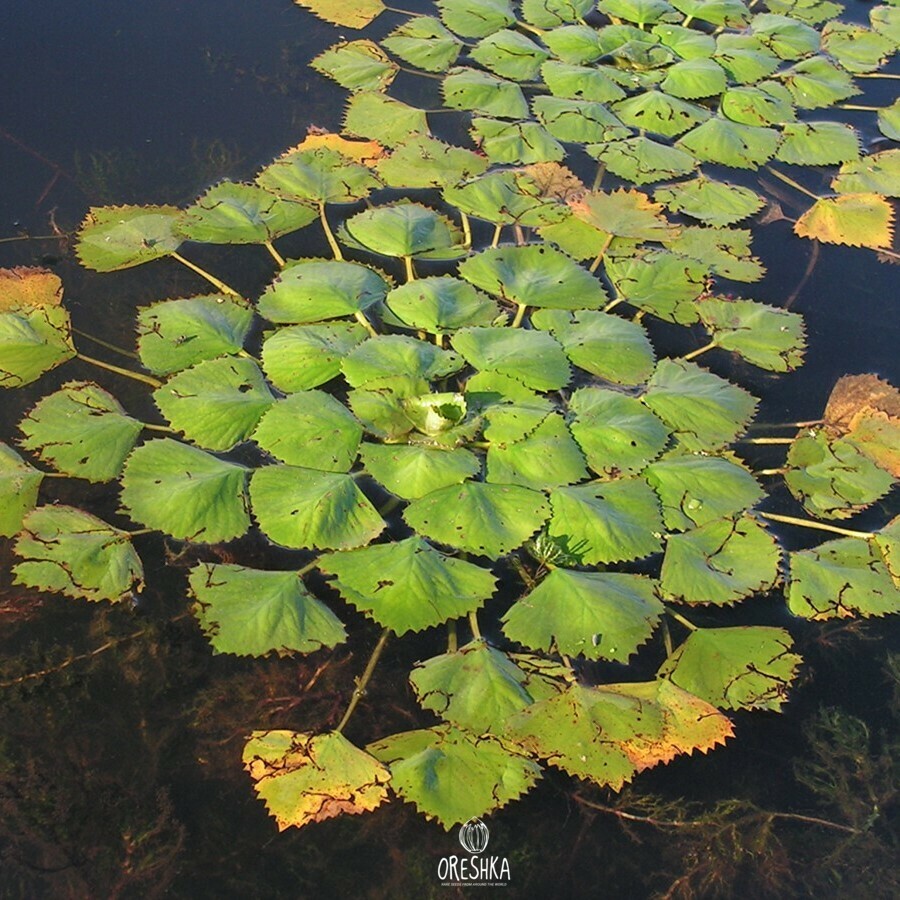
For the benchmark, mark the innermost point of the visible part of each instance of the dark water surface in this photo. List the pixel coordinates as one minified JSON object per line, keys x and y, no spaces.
{"x":120,"y":773}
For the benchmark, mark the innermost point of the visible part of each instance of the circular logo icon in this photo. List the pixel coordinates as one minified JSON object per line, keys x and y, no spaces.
{"x":474,"y":835}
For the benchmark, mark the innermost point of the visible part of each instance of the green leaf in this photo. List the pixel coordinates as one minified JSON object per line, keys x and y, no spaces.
{"x":357,"y":66}
{"x":889,"y":121}
{"x":510,"y":54}
{"x":312,"y":510}
{"x":71,"y":552}
{"x":785,"y":37}
{"x":81,"y":430}
{"x":481,"y":92}
{"x":176,"y":334}
{"x":509,"y":421}
{"x":249,"y":612}
{"x":766,"y":336}
{"x":725,"y":251}
{"x":886,"y":20}
{"x":476,"y":687}
{"x":877,"y":174}
{"x":768,"y":103}
{"x":694,"y":79}
{"x":720,"y":562}
{"x":438,"y":415}
{"x":608,"y":346}
{"x":818,"y":144}
{"x":688,"y":43}
{"x":580,"y":82}
{"x":411,"y":471}
{"x":485,"y":519}
{"x":695,"y":489}
{"x":832,"y":478}
{"x":423,"y":162}
{"x":642,"y":160}
{"x":404,"y":229}
{"x":476,"y":18}
{"x":611,"y":522}
{"x":310,"y":429}
{"x":360,"y":14}
{"x":19,"y":485}
{"x":623,"y":213}
{"x":407,"y":585}
{"x":452,"y":776}
{"x":712,"y":202}
{"x":525,"y":462}
{"x":745,"y":58}
{"x":312,"y":290}
{"x":440,"y":304}
{"x":118,"y":237}
{"x":731,"y":13}
{"x":425,"y":43}
{"x":811,"y":12}
{"x":516,"y":143}
{"x":856,"y":48}
{"x":749,"y":667}
{"x":380,"y":408}
{"x":659,"y":113}
{"x":379,"y":118}
{"x":730,"y":144}
{"x":578,"y":121}
{"x":304,"y":356}
{"x":550,"y":13}
{"x":841,"y":579}
{"x":705,"y":411}
{"x":598,"y":615}
{"x":659,"y":283}
{"x":317,"y":175}
{"x":534,"y":275}
{"x":32,"y":342}
{"x":641,"y":12}
{"x":305,"y":778}
{"x":185,"y":492}
{"x":217,"y":403}
{"x":394,"y":355}
{"x":532,"y":357}
{"x":815,"y":83}
{"x":506,"y":197}
{"x":232,"y":213}
{"x":617,"y":433}
{"x":574,"y":44}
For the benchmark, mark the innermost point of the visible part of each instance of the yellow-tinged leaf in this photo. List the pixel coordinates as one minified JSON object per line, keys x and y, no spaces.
{"x":365,"y":152}
{"x":860,"y":220}
{"x":356,"y":14}
{"x":307,"y":778}
{"x":26,"y":288}
{"x":556,"y":181}
{"x":623,"y":213}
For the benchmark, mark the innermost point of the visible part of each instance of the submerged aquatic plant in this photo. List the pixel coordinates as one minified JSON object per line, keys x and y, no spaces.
{"x":510,"y":420}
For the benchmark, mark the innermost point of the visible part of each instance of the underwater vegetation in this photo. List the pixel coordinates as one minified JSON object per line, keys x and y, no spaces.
{"x":463,"y":421}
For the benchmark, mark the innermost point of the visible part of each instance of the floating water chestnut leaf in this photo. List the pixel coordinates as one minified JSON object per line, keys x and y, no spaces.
{"x":750,"y":667}
{"x":720,"y":562}
{"x":860,"y":220}
{"x":786,"y":37}
{"x":695,"y":489}
{"x":660,"y":283}
{"x":812,"y":12}
{"x":357,"y":66}
{"x":623,"y":213}
{"x":578,"y":121}
{"x":311,"y":509}
{"x":768,"y":103}
{"x":875,"y":174}
{"x":19,"y":486}
{"x":694,"y":79}
{"x":580,"y":82}
{"x":305,"y":778}
{"x":688,"y":43}
{"x":766,"y":336}
{"x":425,"y":43}
{"x":856,"y":48}
{"x":383,"y":119}
{"x":300,"y":357}
{"x":451,"y":775}
{"x":81,"y":430}
{"x":598,"y":615}
{"x":516,"y":142}
{"x":745,"y":58}
{"x":28,"y":287}
{"x":476,"y":687}
{"x":712,"y":202}
{"x":250,"y":612}
{"x":404,"y":229}
{"x":839,"y":579}
{"x":550,"y":13}
{"x":658,"y":113}
{"x":506,"y":197}
{"x":732,"y":13}
{"x":177,"y":334}
{"x":67,"y":550}
{"x":719,"y":140}
{"x":476,"y":18}
{"x":185,"y":492}
{"x":118,"y":237}
{"x":725,"y":251}
{"x":889,"y":121}
{"x":412,"y":471}
{"x":818,"y":144}
{"x":509,"y":421}
{"x":815,"y":83}
{"x":510,"y":54}
{"x":310,"y":429}
{"x":642,"y":160}
{"x":408,"y":585}
{"x":472,"y":89}
{"x":389,"y":355}
{"x":641,"y":12}
{"x":485,"y":519}
{"x":33,"y":341}
{"x":315,"y":290}
{"x":441,"y":304}
{"x":423,"y":162}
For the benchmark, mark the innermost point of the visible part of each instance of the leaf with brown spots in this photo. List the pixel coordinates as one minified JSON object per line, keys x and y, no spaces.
{"x":859,"y":220}
{"x":26,"y":287}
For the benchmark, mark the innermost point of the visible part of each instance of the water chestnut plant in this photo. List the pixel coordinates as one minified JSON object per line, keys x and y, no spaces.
{"x":459,"y":423}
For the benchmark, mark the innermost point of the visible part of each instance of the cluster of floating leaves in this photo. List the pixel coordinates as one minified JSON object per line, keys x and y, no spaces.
{"x":495,"y":401}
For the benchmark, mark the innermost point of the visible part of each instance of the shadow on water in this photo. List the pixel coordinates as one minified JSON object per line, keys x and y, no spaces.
{"x":120,"y":766}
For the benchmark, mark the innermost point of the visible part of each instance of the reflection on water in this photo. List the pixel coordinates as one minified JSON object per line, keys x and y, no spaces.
{"x":120,"y":764}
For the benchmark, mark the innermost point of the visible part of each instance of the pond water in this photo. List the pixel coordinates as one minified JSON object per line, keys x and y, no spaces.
{"x":120,"y":770}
